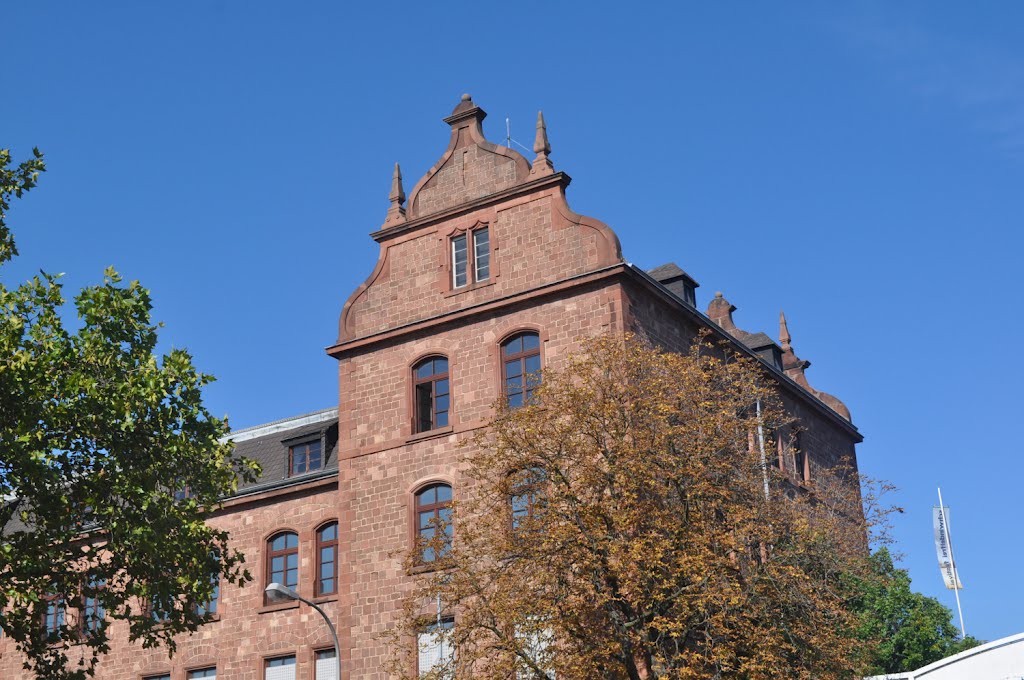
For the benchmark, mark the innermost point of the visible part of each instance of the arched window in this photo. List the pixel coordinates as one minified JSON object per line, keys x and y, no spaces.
{"x":526,"y":499}
{"x":283,"y":559}
{"x":327,"y":559}
{"x":433,"y":513}
{"x":520,"y":367}
{"x":432,"y":393}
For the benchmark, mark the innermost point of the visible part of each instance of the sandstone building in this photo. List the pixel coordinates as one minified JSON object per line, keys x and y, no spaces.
{"x":484,"y":275}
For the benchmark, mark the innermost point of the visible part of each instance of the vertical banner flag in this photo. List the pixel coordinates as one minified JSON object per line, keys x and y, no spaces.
{"x":940,"y":518}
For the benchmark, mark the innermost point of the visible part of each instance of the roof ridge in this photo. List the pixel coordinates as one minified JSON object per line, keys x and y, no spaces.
{"x":255,"y":431}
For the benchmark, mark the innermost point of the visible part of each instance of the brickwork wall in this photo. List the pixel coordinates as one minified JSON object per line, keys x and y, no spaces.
{"x":469,"y":173}
{"x":825,"y":442}
{"x":531,"y":244}
{"x":380,"y":471}
{"x":245,"y":632}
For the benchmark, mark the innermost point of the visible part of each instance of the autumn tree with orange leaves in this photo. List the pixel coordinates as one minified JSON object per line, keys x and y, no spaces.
{"x":624,"y":525}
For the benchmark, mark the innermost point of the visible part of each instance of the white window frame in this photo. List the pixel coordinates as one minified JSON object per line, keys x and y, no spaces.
{"x":470,"y":253}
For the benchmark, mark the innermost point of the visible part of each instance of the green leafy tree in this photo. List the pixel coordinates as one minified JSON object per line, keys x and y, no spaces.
{"x":109,"y":466}
{"x":909,"y":630}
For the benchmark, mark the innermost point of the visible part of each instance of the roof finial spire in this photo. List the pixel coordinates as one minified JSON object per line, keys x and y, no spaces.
{"x":784,"y":337}
{"x":396,"y":213}
{"x":541,"y":164}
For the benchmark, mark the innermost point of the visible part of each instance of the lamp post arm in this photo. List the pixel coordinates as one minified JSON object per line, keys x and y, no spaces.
{"x":330,"y":625}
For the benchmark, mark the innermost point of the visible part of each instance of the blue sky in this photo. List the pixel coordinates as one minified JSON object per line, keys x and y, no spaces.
{"x":859,"y":166}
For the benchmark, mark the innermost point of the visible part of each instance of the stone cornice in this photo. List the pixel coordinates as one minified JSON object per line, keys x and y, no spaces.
{"x":388,"y":233}
{"x":340,"y":350}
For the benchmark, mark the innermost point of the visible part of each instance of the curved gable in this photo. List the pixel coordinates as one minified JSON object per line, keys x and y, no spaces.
{"x":470,"y":168}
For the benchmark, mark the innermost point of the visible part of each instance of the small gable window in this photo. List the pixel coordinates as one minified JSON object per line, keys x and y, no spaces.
{"x":432,"y":394}
{"x":304,"y":457}
{"x":471,"y":257}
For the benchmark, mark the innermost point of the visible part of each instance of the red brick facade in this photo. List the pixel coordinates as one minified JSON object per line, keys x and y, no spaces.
{"x":552,"y":272}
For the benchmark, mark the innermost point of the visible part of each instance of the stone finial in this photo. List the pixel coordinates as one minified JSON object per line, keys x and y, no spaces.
{"x":795,"y":367}
{"x":540,"y":144}
{"x":720,"y":311}
{"x":541,"y":164}
{"x":396,"y":213}
{"x":465,"y":109}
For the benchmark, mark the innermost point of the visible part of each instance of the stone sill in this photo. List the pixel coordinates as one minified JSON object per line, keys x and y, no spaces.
{"x":430,"y":434}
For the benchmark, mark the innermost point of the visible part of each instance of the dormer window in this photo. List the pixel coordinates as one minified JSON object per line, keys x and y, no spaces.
{"x":471,"y":257}
{"x":678,"y":282}
{"x":304,"y":457}
{"x":772,"y":354}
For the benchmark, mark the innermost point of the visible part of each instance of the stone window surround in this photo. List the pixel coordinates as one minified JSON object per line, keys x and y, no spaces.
{"x":445,"y":237}
{"x":472,"y":271}
{"x":307,"y":544}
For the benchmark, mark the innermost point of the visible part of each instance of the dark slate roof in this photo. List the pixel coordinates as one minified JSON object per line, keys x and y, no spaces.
{"x":268,"y":445}
{"x":665,"y":271}
{"x":669,"y":271}
{"x":757,"y":340}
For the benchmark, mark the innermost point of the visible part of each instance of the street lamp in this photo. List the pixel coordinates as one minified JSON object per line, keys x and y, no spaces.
{"x":277,"y":592}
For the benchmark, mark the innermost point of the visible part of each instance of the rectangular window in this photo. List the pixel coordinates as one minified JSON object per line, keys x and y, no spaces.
{"x":326,"y":665}
{"x":92,"y":607}
{"x":304,"y":458}
{"x":471,"y":263}
{"x":434,"y":649}
{"x":799,"y":459}
{"x":481,"y":254}
{"x":279,"y":668}
{"x":460,"y":262}
{"x":164,"y":676}
{"x":209,"y":608}
{"x":537,"y":645}
{"x":202,"y":673}
{"x":54,"y":616}
{"x":159,"y":610}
